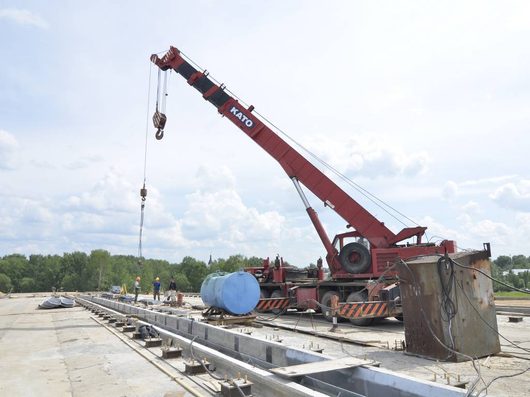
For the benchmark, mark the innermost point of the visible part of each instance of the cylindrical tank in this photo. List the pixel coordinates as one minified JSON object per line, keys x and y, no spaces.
{"x":237,"y":293}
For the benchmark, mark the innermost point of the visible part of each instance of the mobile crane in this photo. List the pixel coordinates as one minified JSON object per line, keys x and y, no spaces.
{"x":362,"y":277}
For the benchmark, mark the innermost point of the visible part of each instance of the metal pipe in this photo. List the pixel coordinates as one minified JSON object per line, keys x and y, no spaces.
{"x":300,"y":192}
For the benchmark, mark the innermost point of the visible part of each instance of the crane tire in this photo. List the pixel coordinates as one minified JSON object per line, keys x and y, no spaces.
{"x":326,"y":303}
{"x":359,"y":297}
{"x":276,"y":294}
{"x":355,"y":258}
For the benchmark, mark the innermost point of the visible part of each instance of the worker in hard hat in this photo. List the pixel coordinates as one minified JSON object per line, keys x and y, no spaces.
{"x":136,"y":288}
{"x":156,"y":288}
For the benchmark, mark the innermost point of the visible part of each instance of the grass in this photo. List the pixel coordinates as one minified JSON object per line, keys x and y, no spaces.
{"x":512,"y":294}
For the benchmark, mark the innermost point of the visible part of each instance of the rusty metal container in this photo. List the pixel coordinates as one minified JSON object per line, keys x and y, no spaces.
{"x":471,"y":330}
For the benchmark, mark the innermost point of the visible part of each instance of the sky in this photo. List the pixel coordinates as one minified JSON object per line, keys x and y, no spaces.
{"x":425,"y":104}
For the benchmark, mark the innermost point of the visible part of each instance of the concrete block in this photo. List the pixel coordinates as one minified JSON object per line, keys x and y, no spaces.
{"x":171,"y":323}
{"x":171,"y":353}
{"x":153,"y":342}
{"x":229,"y":389}
{"x":193,"y":368}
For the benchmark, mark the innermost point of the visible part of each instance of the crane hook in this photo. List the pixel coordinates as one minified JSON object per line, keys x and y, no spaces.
{"x":159,"y":121}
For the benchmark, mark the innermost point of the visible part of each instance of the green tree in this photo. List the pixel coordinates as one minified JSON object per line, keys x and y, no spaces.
{"x":235,"y":263}
{"x":519,"y":262}
{"x":15,"y":266}
{"x":514,"y":279}
{"x":45,"y":271}
{"x":27,"y":284}
{"x":195,"y":271}
{"x":182,"y":282}
{"x":5,"y":283}
{"x":254,"y":261}
{"x":525,"y":276}
{"x":75,"y":267}
{"x":97,"y":270}
{"x":503,"y":262}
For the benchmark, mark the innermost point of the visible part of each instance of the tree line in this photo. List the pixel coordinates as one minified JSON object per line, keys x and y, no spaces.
{"x":99,"y":270}
{"x":503,"y":267}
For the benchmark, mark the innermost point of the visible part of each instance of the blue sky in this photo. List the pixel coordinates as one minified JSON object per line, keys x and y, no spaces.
{"x":425,"y":104}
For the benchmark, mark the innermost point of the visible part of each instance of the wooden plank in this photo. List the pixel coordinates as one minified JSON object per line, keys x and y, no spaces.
{"x":321,"y":366}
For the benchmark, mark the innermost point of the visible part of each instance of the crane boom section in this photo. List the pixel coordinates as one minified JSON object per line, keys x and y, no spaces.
{"x":294,"y":164}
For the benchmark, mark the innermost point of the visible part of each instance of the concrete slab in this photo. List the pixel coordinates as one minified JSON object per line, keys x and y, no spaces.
{"x":320,"y":366}
{"x":377,"y":342}
{"x":63,"y":352}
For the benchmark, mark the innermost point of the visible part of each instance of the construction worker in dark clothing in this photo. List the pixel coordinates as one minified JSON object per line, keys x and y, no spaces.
{"x":172,"y":285}
{"x":156,"y":288}
{"x":172,"y":290}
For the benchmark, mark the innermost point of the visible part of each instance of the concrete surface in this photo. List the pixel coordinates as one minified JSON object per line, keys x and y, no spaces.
{"x":388,"y":331}
{"x":377,"y":342}
{"x":63,"y":352}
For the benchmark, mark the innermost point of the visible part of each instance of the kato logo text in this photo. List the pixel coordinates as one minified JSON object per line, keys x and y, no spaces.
{"x":244,"y":119}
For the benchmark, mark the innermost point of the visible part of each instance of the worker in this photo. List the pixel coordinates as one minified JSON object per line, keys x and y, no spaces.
{"x":172,"y":290}
{"x":136,"y":288}
{"x":277,"y":261}
{"x":156,"y":288}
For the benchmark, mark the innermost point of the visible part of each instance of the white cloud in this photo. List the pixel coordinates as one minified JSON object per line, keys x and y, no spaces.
{"x":523,"y":225}
{"x":438,"y":231}
{"x":513,"y":196}
{"x":210,"y":178}
{"x":223,"y":216}
{"x":216,"y":214}
{"x":487,"y":181}
{"x":450,"y":190}
{"x":112,"y":193}
{"x":471,"y":207}
{"x":475,"y":232}
{"x":23,"y":17}
{"x":487,"y":228}
{"x":369,"y":157}
{"x":8,"y":147}
{"x":82,"y":162}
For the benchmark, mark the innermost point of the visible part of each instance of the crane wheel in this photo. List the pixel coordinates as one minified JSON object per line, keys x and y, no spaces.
{"x":276,"y":294}
{"x":355,"y":258}
{"x":326,"y":305}
{"x":359,"y":297}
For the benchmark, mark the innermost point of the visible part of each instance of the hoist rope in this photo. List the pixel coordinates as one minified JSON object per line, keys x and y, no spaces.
{"x":143,"y":196}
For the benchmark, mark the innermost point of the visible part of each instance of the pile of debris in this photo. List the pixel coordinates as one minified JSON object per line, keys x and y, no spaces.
{"x":55,"y":302}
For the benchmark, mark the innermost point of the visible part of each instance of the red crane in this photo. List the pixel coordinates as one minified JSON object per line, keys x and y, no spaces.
{"x":352,"y":260}
{"x":351,"y":265}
